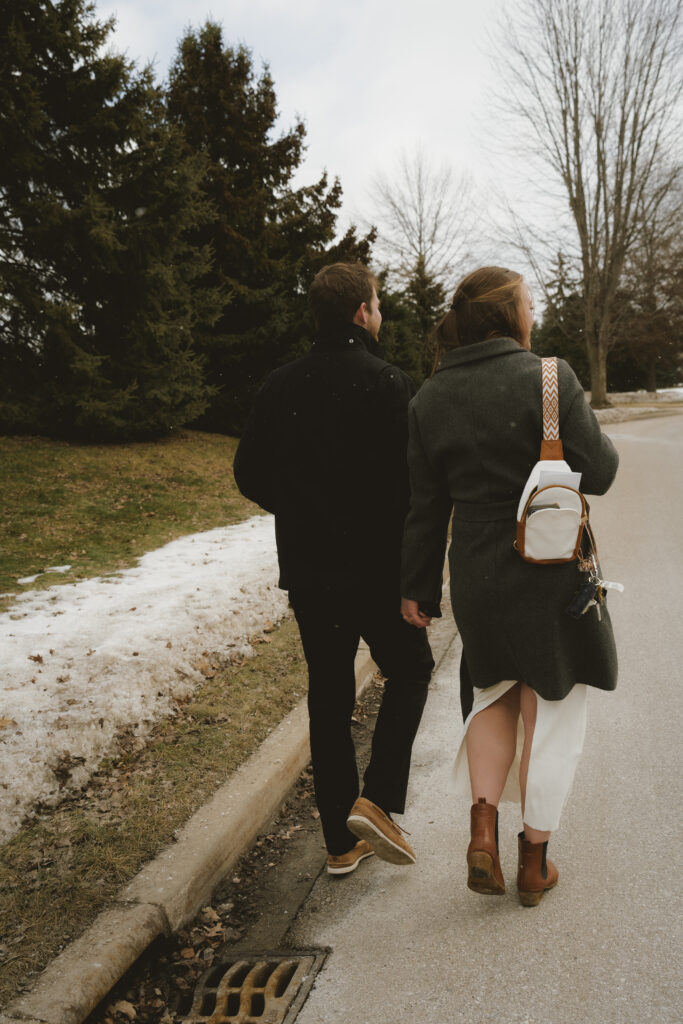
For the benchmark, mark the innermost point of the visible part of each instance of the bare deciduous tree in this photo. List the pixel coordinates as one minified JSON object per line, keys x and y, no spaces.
{"x":422,"y":213}
{"x":654,"y":281}
{"x":597,"y":83}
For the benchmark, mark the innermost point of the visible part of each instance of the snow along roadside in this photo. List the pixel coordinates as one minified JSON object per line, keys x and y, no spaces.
{"x":83,"y":661}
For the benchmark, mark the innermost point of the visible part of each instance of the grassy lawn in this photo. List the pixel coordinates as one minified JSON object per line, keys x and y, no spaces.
{"x":60,"y":870}
{"x":98,"y":508}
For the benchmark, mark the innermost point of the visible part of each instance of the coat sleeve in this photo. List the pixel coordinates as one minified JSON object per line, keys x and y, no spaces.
{"x":587,"y":450}
{"x":254,"y":463}
{"x":426,"y":529}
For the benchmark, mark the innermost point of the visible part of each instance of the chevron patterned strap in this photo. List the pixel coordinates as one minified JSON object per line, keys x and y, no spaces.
{"x":551,"y":400}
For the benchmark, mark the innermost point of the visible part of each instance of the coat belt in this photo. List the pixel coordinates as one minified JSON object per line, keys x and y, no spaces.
{"x":484,"y":513}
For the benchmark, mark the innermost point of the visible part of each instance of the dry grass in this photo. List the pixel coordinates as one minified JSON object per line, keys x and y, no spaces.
{"x":59,"y":871}
{"x":98,"y":508}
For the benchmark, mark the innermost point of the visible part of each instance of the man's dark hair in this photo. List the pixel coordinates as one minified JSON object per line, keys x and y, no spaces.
{"x":338,"y":290}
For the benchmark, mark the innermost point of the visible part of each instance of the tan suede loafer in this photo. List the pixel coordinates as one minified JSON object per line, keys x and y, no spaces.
{"x":344,"y":863}
{"x":369,"y":822}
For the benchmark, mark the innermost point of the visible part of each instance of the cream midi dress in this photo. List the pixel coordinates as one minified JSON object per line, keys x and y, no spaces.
{"x":555,"y":751}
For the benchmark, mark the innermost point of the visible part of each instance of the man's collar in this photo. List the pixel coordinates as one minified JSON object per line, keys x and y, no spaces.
{"x":346,"y":336}
{"x":480,"y":350}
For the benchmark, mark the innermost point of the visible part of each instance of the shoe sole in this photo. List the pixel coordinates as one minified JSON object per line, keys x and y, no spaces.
{"x":532,"y":899}
{"x":480,"y":874}
{"x":381,"y":844}
{"x":350,"y":867}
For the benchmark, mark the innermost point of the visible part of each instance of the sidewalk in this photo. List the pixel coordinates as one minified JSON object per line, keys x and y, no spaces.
{"x":414,"y":944}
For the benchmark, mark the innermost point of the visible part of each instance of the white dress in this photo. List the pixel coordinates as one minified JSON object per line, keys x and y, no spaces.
{"x":555,"y":752}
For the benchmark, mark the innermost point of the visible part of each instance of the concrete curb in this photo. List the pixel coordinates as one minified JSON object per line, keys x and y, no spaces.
{"x":74,"y":983}
{"x":170,"y":890}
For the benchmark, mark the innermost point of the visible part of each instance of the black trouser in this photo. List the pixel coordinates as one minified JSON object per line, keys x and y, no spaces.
{"x":331,"y":626}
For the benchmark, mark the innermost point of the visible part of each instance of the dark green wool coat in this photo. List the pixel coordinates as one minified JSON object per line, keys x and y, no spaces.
{"x":475,"y":434}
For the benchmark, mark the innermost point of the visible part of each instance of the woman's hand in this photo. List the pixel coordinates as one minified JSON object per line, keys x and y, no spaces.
{"x":412,"y":614}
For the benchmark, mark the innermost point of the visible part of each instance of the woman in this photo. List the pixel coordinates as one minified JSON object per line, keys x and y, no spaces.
{"x":475,"y":434}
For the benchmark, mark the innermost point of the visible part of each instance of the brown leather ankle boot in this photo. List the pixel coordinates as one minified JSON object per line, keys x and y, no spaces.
{"x":536,"y":874}
{"x":484,"y":874}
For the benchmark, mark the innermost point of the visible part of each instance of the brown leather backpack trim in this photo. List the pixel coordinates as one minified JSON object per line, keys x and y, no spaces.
{"x":551,"y":450}
{"x":521,"y":530}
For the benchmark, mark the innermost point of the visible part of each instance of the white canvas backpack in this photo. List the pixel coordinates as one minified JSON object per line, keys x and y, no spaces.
{"x":552,"y":513}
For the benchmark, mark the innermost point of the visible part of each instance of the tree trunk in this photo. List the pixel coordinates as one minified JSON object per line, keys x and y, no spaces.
{"x":597,"y":362}
{"x":652,"y":372}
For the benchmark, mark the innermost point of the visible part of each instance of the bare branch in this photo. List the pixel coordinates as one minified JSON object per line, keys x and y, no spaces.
{"x":423,"y":214}
{"x":597,"y":84}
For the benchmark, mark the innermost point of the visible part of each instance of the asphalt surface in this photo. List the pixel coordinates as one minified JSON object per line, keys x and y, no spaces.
{"x":413,"y":944}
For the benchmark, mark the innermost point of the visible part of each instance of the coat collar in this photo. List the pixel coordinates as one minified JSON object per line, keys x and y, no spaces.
{"x":480,"y":350}
{"x":347,"y":336}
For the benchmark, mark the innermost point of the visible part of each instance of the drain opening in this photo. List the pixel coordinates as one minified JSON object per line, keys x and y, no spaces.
{"x":238,"y":975}
{"x":256,"y":989}
{"x":258,"y":1004}
{"x":284,"y":980}
{"x":215,"y":975}
{"x":208,"y":1004}
{"x":260,"y":974}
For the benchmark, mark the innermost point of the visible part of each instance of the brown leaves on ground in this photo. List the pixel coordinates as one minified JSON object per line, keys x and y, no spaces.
{"x":207,"y":668}
{"x":65,"y":765}
{"x":125,"y":1008}
{"x":211,"y":663}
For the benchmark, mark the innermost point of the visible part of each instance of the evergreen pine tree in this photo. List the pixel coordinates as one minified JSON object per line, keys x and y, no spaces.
{"x":561,"y":331}
{"x":400,"y":336}
{"x":98,"y":283}
{"x":426,"y":297}
{"x":268,"y":239}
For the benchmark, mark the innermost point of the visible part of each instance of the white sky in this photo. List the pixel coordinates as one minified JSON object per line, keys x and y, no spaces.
{"x":369,"y":79}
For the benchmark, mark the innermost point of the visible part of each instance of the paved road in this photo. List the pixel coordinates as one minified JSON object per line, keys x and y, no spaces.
{"x":414,"y":945}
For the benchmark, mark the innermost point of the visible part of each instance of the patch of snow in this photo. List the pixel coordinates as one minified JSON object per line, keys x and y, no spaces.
{"x":625,"y":413}
{"x":661,"y":395}
{"x":83,"y":661}
{"x":32,"y":579}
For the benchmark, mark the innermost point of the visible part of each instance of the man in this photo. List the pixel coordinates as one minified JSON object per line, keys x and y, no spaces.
{"x":324,"y":450}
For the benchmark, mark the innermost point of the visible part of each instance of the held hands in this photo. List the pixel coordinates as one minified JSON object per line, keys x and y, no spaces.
{"x":411,"y":613}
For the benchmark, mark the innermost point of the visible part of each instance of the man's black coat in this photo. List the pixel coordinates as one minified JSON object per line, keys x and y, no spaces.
{"x":324,"y":449}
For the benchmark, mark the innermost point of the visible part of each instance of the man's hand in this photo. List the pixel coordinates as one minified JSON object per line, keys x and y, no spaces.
{"x":412,"y":614}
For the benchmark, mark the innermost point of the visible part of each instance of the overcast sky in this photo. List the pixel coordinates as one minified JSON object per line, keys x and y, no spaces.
{"x":369,"y":79}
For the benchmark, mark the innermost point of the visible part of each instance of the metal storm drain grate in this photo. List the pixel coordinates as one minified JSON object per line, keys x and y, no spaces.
{"x":258,"y":989}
